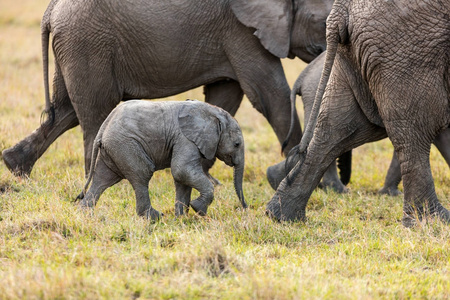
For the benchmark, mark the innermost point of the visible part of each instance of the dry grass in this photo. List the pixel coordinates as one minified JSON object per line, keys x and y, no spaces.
{"x":352,"y":247}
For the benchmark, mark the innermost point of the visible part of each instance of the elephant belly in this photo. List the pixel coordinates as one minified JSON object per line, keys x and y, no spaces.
{"x":159,"y":79}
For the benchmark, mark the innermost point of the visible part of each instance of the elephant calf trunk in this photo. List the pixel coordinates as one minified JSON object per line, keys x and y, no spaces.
{"x":238,"y":176}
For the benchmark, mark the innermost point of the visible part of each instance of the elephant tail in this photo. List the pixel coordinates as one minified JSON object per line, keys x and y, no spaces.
{"x":337,"y":24}
{"x":337,"y":32}
{"x":45,"y":37}
{"x":296,"y":89}
{"x":95,"y":151}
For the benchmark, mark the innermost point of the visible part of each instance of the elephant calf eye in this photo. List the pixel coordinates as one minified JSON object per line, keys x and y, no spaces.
{"x":237,"y":144}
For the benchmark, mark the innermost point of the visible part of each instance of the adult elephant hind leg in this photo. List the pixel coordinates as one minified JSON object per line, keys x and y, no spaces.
{"x":413,"y":149}
{"x":341,"y":126}
{"x":21,"y":158}
{"x":290,"y":199}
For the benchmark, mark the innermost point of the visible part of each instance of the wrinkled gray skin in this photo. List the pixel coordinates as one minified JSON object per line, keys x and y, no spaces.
{"x":139,"y":138}
{"x":306,"y":86}
{"x":107,"y":51}
{"x":380,"y":84}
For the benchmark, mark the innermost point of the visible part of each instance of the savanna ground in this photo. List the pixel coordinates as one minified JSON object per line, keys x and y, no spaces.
{"x":353,"y":246}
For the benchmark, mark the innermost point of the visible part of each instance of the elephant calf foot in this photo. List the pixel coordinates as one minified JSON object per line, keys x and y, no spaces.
{"x":390,"y":191}
{"x":16,"y":159}
{"x":338,"y":187}
{"x":180,"y":207}
{"x":199,"y":207}
{"x":153,"y":215}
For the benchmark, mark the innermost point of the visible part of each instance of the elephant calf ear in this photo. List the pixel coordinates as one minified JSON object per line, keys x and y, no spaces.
{"x":200,"y":127}
{"x":271,"y":19}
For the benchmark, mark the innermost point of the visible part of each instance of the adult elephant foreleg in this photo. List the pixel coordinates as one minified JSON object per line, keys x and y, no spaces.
{"x":226,"y":94}
{"x":90,"y":123}
{"x":268,"y":91}
{"x":92,"y":102}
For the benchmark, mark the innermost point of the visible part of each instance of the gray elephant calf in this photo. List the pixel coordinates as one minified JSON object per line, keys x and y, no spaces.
{"x":141,"y":137}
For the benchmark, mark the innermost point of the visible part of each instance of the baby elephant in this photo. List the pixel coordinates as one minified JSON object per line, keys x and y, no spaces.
{"x":141,"y":137}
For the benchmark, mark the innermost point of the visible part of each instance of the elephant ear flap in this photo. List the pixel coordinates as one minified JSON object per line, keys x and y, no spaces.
{"x":271,"y":19}
{"x":201,"y":127}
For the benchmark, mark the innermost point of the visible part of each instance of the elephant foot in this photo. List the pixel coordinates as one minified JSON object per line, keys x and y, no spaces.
{"x":199,"y":207}
{"x":338,"y":187}
{"x":84,"y":203}
{"x":409,"y":221}
{"x":281,"y":212}
{"x":17,"y":160}
{"x":411,"y":218}
{"x":85,"y":208}
{"x":180,"y":207}
{"x":390,"y":191}
{"x":153,"y":215}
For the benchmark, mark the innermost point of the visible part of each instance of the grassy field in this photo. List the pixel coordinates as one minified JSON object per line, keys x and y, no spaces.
{"x":353,"y":246}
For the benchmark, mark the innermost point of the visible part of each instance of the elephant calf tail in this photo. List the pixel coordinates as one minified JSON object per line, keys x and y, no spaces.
{"x":294,"y":91}
{"x":95,"y":151}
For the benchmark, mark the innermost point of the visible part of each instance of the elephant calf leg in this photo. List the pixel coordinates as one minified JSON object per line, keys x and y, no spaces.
{"x":183,"y":198}
{"x":331,"y":180}
{"x":201,"y":204}
{"x":206,"y":190}
{"x":393,"y":178}
{"x":143,"y":204}
{"x":102,"y":179}
{"x":192,"y":175}
{"x":206,"y":165}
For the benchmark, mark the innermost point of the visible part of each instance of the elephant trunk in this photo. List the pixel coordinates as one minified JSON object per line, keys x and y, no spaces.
{"x":238,"y":177}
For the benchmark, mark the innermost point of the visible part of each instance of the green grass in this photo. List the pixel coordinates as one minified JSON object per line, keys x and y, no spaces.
{"x":352,"y":246}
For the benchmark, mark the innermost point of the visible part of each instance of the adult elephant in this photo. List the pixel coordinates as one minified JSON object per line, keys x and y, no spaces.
{"x":306,"y":86}
{"x":380,"y":84}
{"x":107,"y":51}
